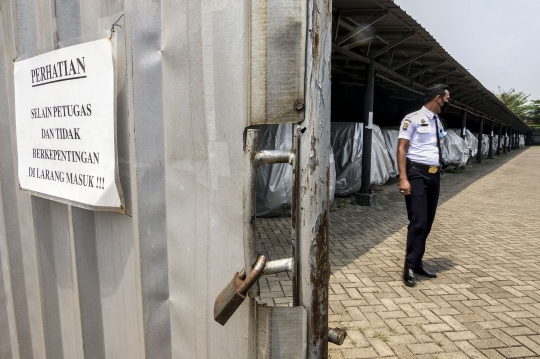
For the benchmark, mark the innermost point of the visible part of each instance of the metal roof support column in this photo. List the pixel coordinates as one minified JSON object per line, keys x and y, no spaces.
{"x":480,"y":131}
{"x":498,"y":152}
{"x":313,"y":180}
{"x":366,"y":198}
{"x":490,"y":152}
{"x":463,"y":123}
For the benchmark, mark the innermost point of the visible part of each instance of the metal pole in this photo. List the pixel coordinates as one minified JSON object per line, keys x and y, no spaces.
{"x":490,"y":152}
{"x":250,"y":177}
{"x":313,"y":179}
{"x":463,"y":123}
{"x":365,"y":196}
{"x":480,"y":132}
{"x":498,"y":152}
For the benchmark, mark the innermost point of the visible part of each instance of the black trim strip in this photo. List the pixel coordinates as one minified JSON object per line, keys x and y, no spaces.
{"x":50,"y":82}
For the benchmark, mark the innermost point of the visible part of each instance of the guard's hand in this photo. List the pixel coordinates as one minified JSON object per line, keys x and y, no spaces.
{"x":404,"y":186}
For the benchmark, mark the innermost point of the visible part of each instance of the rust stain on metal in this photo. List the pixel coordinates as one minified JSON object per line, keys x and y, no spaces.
{"x":320,"y":276}
{"x":234,"y":294}
{"x":313,"y":158}
{"x":316,"y":45}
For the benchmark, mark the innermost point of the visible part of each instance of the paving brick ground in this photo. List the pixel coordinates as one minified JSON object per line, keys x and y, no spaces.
{"x":485,"y":247}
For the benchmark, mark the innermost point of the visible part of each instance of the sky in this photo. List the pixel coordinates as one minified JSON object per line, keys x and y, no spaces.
{"x":498,"y":41}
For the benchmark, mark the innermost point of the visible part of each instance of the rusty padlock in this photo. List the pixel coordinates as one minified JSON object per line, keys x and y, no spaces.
{"x":234,"y":293}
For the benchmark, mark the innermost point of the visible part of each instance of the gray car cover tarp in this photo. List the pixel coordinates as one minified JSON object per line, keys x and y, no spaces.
{"x":485,"y":143}
{"x":274,"y":182}
{"x":346,"y":139}
{"x":455,"y":150}
{"x":470,"y":139}
{"x":390,"y":136}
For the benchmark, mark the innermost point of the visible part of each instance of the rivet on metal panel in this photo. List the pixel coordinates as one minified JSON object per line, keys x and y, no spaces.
{"x":336,"y":335}
{"x":299,"y":104}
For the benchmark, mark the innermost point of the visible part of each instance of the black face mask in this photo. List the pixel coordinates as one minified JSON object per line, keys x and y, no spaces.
{"x":445,"y":106}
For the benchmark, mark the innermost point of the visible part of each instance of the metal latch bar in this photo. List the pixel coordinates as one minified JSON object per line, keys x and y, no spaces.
{"x":274,"y":267}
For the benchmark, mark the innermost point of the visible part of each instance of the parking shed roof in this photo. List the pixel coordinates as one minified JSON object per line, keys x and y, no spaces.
{"x":407,"y":59}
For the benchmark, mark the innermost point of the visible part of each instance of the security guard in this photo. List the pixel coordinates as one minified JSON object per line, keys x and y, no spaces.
{"x":420,"y":164}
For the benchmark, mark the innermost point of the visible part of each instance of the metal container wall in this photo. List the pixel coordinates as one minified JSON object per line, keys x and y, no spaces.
{"x":81,"y":284}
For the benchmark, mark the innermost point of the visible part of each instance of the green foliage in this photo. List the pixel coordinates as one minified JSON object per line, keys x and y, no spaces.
{"x":533,"y":112}
{"x":515,"y":101}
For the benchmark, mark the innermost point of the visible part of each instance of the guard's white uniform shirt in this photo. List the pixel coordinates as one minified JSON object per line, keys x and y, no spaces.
{"x":419,"y":128}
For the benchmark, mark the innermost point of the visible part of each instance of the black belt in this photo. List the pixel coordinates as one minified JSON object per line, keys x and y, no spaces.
{"x":425,"y":168}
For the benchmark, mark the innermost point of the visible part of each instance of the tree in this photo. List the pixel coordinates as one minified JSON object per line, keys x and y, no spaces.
{"x":515,"y":101}
{"x":533,"y":112}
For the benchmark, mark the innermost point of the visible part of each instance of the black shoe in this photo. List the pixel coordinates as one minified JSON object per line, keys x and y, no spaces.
{"x":424,"y":272}
{"x":408,"y":277}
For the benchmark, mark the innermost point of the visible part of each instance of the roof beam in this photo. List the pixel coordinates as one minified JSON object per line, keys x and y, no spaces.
{"x":462,"y":86}
{"x":411,"y":59}
{"x":335,"y":25}
{"x":398,"y":84}
{"x":378,"y":67}
{"x":426,"y":69}
{"x":393,"y":44}
{"x":361,"y":27}
{"x":350,"y":54}
{"x":359,"y":42}
{"x":455,"y":80}
{"x":358,"y":12}
{"x":440,"y":76}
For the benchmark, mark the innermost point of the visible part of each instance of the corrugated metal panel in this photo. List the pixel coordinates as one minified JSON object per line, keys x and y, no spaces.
{"x":277,"y":61}
{"x":83,"y":284}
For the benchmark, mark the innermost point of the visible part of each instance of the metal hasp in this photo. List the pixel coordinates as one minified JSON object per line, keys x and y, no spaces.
{"x":490,"y":152}
{"x":311,"y":182}
{"x":480,"y":132}
{"x":233,"y":295}
{"x":365,"y":197}
{"x":274,"y":267}
{"x":252,"y":160}
{"x":463,"y":123}
{"x":337,"y":335}
{"x":498,"y":152}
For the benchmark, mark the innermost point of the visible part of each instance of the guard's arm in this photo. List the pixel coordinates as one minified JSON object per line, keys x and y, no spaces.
{"x":404,"y":184}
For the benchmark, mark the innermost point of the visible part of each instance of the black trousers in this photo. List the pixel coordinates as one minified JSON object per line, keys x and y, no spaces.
{"x":421,"y":208}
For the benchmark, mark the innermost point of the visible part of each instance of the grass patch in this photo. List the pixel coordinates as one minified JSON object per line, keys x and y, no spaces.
{"x":382,"y":336}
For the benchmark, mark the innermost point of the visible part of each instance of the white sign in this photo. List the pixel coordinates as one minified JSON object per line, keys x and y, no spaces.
{"x":64,"y":103}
